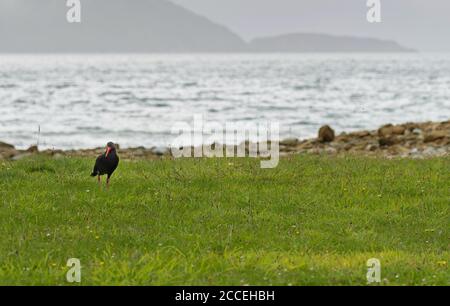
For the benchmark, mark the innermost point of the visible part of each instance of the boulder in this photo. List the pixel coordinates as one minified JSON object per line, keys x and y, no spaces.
{"x":410,"y":126}
{"x":434,"y":136}
{"x":398,"y":130}
{"x":385,"y":130}
{"x":389,"y":130}
{"x":287,"y":148}
{"x":348,"y":146}
{"x":33,"y":149}
{"x":5,"y":146}
{"x":371,"y":147}
{"x":306,"y":144}
{"x":361,"y":134}
{"x":417,"y":131}
{"x":9,"y":153}
{"x":343,"y":137}
{"x":387,"y":141}
{"x":289,"y":142}
{"x":326,"y":134}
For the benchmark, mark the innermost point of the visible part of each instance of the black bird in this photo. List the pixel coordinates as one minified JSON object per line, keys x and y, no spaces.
{"x":106,"y":163}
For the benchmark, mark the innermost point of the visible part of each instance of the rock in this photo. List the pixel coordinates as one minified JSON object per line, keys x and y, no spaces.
{"x":430,"y":151}
{"x":139,"y":152}
{"x":371,"y":147}
{"x":21,"y":156}
{"x":33,"y":149}
{"x":411,"y":126}
{"x":359,"y":147}
{"x":445,"y":141}
{"x":417,"y":131}
{"x":289,"y":142}
{"x":306,"y":144}
{"x":398,"y":130}
{"x":414,"y":151}
{"x":326,"y":134}
{"x":315,"y":151}
{"x":159,"y":151}
{"x":9,"y":153}
{"x":398,"y":150}
{"x":361,"y":134}
{"x":5,"y":146}
{"x":435,"y":135}
{"x":343,"y":137}
{"x":287,"y":149}
{"x":434,"y":152}
{"x":348,"y":146}
{"x":389,"y":129}
{"x":385,"y":130}
{"x":330,"y":150}
{"x":387,"y":141}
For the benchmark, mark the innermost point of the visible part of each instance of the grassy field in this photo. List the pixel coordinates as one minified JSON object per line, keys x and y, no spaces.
{"x":311,"y":221}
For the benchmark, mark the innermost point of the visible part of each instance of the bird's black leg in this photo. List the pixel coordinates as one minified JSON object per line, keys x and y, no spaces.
{"x":107,"y":181}
{"x":99,"y":180}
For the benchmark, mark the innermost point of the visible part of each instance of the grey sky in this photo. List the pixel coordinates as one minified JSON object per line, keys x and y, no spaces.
{"x":421,"y":24}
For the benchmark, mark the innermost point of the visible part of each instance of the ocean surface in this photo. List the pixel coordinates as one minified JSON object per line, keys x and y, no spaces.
{"x":83,"y":101}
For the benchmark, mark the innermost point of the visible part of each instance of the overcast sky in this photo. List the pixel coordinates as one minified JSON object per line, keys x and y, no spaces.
{"x":420,"y":24}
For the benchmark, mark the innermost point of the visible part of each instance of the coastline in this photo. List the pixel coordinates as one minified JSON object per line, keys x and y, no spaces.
{"x":408,"y":140}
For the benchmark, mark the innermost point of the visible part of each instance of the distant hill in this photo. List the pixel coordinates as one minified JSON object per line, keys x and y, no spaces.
{"x":110,"y":26}
{"x":40,"y":26}
{"x":304,"y":42}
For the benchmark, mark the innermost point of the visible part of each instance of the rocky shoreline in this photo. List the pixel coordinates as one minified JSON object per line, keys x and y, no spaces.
{"x":409,"y":140}
{"x":415,"y":140}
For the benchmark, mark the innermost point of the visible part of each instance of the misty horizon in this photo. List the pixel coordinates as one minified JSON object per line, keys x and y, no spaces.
{"x":200,"y":26}
{"x":416,"y":24}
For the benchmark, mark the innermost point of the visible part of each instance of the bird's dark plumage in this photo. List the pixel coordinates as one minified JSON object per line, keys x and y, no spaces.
{"x":107,"y":162}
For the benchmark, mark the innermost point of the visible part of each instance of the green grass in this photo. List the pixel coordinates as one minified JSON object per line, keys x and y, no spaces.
{"x":310,"y":221}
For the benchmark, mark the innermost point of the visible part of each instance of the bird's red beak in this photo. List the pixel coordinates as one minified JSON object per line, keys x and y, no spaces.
{"x":108,"y":149}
